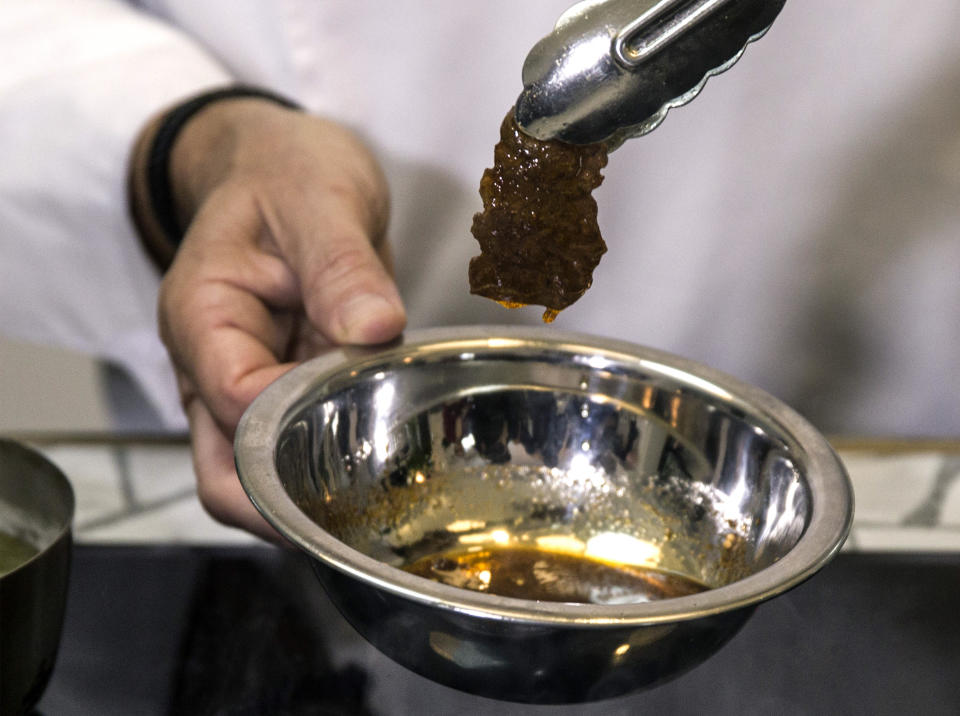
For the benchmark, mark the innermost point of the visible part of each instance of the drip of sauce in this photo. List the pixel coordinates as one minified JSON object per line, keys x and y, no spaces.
{"x":538,"y":232}
{"x":530,"y":573}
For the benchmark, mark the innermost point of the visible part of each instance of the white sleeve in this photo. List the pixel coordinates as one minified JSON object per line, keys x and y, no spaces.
{"x":78,"y":79}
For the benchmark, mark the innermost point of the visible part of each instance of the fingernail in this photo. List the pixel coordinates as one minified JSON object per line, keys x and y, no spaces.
{"x":370,"y":318}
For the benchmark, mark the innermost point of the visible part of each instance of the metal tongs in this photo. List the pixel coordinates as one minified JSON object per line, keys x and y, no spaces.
{"x":612,"y":69}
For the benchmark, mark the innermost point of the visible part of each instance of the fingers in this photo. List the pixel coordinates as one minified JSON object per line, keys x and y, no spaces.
{"x":218,"y":486}
{"x":215,"y":315}
{"x":228,"y":343}
{"x":284,"y":254}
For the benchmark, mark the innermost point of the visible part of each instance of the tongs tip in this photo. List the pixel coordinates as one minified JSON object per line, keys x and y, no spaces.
{"x":612,"y":69}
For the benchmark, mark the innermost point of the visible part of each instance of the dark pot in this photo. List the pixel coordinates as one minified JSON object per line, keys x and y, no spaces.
{"x":36,"y":505}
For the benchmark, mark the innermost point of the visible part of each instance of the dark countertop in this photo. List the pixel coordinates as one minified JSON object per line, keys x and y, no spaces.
{"x":248,"y":630}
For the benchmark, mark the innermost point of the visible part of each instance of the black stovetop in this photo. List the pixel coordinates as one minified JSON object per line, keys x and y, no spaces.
{"x":179,"y":630}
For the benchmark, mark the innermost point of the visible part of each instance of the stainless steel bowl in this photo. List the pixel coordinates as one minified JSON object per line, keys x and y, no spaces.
{"x":36,"y":508}
{"x":372,"y":459}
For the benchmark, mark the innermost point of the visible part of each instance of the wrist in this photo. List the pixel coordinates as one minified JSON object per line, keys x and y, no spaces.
{"x":183,"y":154}
{"x":212,"y":147}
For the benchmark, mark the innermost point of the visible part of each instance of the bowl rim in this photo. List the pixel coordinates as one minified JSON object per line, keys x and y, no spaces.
{"x":828,"y":484}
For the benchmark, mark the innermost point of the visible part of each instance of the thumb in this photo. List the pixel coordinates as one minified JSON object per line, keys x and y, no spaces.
{"x":333,"y":236}
{"x":348,"y":293}
{"x":326,"y":203}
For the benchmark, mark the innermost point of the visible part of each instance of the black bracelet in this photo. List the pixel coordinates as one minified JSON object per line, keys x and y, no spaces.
{"x":159,"y":187}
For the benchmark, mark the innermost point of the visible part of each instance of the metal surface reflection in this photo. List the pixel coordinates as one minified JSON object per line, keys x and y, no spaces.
{"x":612,"y":69}
{"x":456,"y":443}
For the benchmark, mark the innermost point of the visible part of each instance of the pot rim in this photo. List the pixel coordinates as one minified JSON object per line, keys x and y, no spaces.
{"x":33,"y":459}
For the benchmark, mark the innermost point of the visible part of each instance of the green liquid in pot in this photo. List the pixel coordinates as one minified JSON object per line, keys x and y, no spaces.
{"x":14,"y":552}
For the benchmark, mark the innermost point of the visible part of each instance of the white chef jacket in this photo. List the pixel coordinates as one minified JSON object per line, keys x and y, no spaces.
{"x":798,"y":225}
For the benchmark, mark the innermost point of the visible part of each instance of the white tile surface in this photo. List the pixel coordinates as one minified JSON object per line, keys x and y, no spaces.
{"x":180,"y":522}
{"x":887,"y":488}
{"x":906,"y":539}
{"x":950,"y":514}
{"x":92,"y":471}
{"x":158,"y":471}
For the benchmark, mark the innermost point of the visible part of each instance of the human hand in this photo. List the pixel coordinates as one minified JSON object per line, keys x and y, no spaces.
{"x":284,"y":253}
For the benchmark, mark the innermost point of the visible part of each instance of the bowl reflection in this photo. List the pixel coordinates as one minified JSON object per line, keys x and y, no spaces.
{"x":594,"y":517}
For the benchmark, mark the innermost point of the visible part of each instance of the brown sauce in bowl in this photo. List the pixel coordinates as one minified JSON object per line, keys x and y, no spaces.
{"x":538,"y":232}
{"x":530,"y":573}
